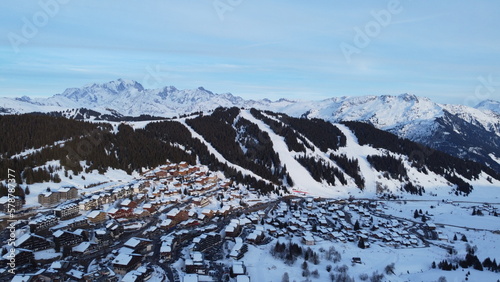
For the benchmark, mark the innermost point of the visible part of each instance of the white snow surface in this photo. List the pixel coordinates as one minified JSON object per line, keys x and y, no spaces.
{"x":407,"y":115}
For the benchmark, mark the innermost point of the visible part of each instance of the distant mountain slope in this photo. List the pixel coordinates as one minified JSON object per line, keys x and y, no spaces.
{"x":271,"y":152}
{"x":465,"y":132}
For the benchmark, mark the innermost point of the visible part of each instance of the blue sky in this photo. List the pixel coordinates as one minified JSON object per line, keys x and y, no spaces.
{"x":254,"y":48}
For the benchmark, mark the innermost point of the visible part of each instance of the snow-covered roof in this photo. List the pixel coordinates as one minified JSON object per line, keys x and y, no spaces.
{"x":132,"y":276}
{"x":68,"y":206}
{"x":46,"y":255}
{"x":252,"y":236}
{"x":191,"y":278}
{"x":126,"y":202}
{"x":166,"y":222}
{"x":132,"y":242}
{"x":165,"y":248}
{"x":42,"y":219}
{"x":238,"y":268}
{"x":82,"y":247}
{"x":197,"y":256}
{"x":26,"y":278}
{"x":75,"y":273}
{"x":112,"y":210}
{"x":125,"y":250}
{"x":230,"y":228}
{"x":65,"y":189}
{"x":94,"y":214}
{"x":122,"y":259}
{"x":22,"y":239}
{"x":58,"y":233}
{"x":173,"y":212}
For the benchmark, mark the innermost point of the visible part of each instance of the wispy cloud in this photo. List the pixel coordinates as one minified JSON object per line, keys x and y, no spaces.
{"x":262,"y":48}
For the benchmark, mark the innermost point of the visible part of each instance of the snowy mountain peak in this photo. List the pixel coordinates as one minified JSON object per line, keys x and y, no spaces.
{"x":117,"y":86}
{"x":409,"y":97}
{"x":491,"y":105}
{"x":205,"y":90}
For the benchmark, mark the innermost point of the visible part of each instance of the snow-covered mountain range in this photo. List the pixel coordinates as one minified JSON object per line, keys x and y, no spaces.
{"x":466,"y":132}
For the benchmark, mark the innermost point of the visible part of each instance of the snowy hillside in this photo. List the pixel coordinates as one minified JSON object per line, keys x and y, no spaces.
{"x":465,"y":132}
{"x":275,"y":153}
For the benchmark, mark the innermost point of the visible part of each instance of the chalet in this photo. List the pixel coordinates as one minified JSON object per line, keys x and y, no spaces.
{"x":85,"y":248}
{"x":68,"y":193}
{"x":76,"y":275}
{"x":140,"y":213}
{"x":208,"y":213}
{"x":7,"y":205}
{"x":167,"y":224}
{"x":239,"y":249}
{"x":213,"y":178}
{"x":202,"y":217}
{"x":66,"y":239}
{"x":66,"y":211}
{"x":127,"y":203}
{"x":233,"y":228}
{"x":139,"y":245}
{"x":201,"y":201}
{"x":124,"y":263}
{"x":115,"y":229}
{"x":166,"y":250}
{"x":208,"y":186}
{"x":256,"y":237}
{"x":87,"y":204}
{"x":120,"y":213}
{"x":206,"y":241}
{"x":71,"y":224}
{"x":178,"y":215}
{"x":96,"y":217}
{"x":58,"y":266}
{"x":238,"y":269}
{"x":149,"y":207}
{"x":33,"y":242}
{"x":161,"y":174}
{"x":431,"y":226}
{"x":103,"y":237}
{"x":323,"y":222}
{"x":140,"y":274}
{"x":196,"y":264}
{"x":183,"y":172}
{"x":308,"y":239}
{"x":226,"y":183}
{"x":225,"y":210}
{"x":253,"y":218}
{"x":43,"y":223}
{"x":22,"y":256}
{"x":49,"y":198}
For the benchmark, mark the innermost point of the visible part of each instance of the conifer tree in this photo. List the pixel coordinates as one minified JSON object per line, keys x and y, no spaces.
{"x":356,"y":225}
